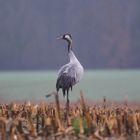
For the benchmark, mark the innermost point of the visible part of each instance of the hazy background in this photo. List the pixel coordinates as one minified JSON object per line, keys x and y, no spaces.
{"x":106,"y":33}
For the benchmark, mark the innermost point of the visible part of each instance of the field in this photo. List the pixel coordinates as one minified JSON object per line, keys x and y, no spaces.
{"x":28,"y":121}
{"x":105,"y":105}
{"x":34,"y":85}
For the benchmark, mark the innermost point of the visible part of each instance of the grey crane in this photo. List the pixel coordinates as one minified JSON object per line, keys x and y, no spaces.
{"x":70,"y":73}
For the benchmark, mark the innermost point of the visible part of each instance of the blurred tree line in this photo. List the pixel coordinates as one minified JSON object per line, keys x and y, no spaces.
{"x":105,"y":33}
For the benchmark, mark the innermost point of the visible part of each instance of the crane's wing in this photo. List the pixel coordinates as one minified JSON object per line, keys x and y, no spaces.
{"x":66,"y":77}
{"x":68,"y":69}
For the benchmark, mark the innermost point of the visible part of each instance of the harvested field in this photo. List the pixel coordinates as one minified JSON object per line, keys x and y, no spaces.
{"x":30,"y":121}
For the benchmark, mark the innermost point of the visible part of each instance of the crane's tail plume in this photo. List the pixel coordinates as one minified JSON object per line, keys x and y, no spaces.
{"x":50,"y":94}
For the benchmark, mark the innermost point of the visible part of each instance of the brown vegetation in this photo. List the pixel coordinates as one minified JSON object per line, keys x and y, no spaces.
{"x":49,"y":121}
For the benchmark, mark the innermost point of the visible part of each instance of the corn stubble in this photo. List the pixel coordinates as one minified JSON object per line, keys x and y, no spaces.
{"x":47,"y":121}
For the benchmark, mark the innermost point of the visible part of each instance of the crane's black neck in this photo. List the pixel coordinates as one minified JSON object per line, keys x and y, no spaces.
{"x":69,"y":45}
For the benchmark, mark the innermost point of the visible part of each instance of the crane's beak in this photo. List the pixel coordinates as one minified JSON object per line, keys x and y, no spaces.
{"x":60,"y":37}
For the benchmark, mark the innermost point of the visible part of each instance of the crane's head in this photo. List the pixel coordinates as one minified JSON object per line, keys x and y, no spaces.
{"x":66,"y":37}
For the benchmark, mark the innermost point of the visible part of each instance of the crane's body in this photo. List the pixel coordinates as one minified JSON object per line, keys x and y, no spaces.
{"x":69,"y":74}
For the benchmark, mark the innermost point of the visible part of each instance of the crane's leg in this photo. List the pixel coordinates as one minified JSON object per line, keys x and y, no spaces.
{"x":67,"y":108}
{"x":68,"y":101}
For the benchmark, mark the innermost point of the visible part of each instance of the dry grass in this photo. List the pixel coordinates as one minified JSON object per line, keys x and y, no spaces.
{"x":48,"y":121}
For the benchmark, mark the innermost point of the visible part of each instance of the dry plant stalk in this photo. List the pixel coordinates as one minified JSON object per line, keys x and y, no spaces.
{"x":104,"y":102}
{"x":138,"y":120}
{"x":37,"y":122}
{"x":136,"y":128}
{"x":42,"y":107}
{"x":32,"y":129}
{"x":2,"y":129}
{"x":82,"y":102}
{"x":57,"y":112}
{"x":12,"y":131}
{"x":19,"y":126}
{"x":81,"y":125}
{"x":86,"y":113}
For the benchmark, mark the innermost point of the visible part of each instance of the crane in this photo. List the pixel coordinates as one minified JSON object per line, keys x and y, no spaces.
{"x":70,"y":73}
